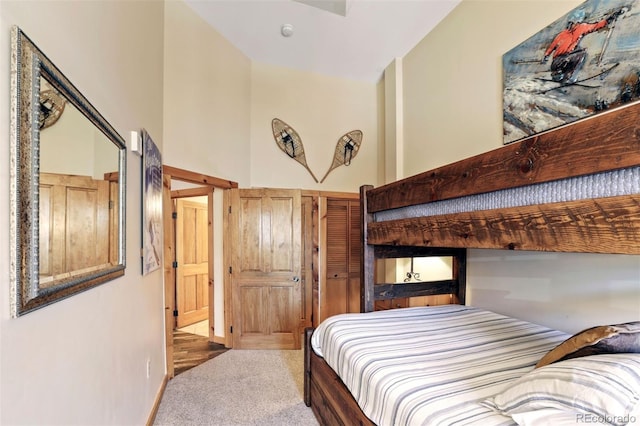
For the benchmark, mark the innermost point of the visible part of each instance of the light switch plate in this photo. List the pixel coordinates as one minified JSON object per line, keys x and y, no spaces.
{"x":135,"y":142}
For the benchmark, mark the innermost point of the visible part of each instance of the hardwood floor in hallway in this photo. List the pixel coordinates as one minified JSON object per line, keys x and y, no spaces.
{"x":190,"y":350}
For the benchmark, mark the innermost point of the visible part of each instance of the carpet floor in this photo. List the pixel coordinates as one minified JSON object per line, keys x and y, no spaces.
{"x":239,"y":387}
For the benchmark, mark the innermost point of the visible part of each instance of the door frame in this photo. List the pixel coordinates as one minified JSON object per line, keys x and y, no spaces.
{"x":207,"y":185}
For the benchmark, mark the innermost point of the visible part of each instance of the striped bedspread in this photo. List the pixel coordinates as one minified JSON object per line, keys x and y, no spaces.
{"x":431,"y":365}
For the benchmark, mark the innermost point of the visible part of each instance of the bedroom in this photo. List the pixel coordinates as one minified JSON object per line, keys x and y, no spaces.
{"x":110,"y":345}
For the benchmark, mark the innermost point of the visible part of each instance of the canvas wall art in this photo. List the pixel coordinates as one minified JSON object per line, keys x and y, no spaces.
{"x":586,"y":62}
{"x":152,"y":242}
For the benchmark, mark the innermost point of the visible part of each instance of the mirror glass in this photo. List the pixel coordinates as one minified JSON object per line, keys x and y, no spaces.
{"x":67,"y":185}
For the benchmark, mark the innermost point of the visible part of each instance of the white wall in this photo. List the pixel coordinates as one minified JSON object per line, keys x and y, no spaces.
{"x":320,"y":109}
{"x":452,"y":110}
{"x":83,"y":360}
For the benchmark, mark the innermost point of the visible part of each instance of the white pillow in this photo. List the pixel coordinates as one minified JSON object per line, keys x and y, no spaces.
{"x":597,"y":389}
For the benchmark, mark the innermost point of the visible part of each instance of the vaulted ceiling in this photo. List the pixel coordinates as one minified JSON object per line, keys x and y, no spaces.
{"x":354,"y":39}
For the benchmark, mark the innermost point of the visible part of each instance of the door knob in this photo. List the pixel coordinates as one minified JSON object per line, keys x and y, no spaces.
{"x":295,"y":279}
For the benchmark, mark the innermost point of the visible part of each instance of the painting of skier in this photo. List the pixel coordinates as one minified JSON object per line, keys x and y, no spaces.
{"x":594,"y":66}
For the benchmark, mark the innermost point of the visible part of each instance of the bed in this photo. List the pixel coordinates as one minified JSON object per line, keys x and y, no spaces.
{"x":573,"y":189}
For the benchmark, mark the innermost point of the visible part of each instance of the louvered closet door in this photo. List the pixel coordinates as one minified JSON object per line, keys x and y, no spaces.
{"x":340,"y":291}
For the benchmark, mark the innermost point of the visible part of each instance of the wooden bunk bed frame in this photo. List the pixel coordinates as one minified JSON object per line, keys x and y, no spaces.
{"x":605,"y":142}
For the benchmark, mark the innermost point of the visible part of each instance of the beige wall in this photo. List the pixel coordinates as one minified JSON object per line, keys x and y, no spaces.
{"x":83,"y":360}
{"x":206,"y":97}
{"x":453,"y":79}
{"x":321,"y":109}
{"x":393,"y":135}
{"x":452,"y":110}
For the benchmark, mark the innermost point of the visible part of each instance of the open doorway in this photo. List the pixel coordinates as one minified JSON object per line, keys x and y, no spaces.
{"x":189,"y":278}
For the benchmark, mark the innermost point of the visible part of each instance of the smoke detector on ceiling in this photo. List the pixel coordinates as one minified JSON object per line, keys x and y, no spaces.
{"x":286,"y":30}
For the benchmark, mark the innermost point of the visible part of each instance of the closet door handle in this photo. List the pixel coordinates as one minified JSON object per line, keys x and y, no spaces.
{"x":295,"y":279}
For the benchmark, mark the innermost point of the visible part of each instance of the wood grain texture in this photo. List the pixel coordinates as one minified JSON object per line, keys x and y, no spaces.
{"x":192,"y":271}
{"x":332,"y":403}
{"x":198,"y":178}
{"x":367,"y":264}
{"x":265,"y":268}
{"x":75,"y":233}
{"x":373,"y":295}
{"x":607,"y":141}
{"x":602,"y":225}
{"x":428,"y":288}
{"x":191,"y":350}
{"x":339,"y":289}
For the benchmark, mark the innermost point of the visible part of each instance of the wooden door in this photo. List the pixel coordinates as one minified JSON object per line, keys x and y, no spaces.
{"x":192,"y":257}
{"x":74,"y":225}
{"x":265,"y":268}
{"x":340,"y":246}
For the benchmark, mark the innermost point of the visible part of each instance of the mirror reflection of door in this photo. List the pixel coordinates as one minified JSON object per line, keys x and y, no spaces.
{"x":192,"y":257}
{"x":78,"y":196}
{"x":75,"y":219}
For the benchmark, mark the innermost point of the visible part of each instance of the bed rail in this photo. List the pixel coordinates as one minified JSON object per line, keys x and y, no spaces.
{"x":371,"y":291}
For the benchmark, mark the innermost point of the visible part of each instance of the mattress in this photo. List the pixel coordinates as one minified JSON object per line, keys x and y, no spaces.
{"x":605,"y":184}
{"x":431,"y":365}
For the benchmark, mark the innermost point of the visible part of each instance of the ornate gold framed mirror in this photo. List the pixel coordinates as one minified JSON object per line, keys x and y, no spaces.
{"x":68,"y":172}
